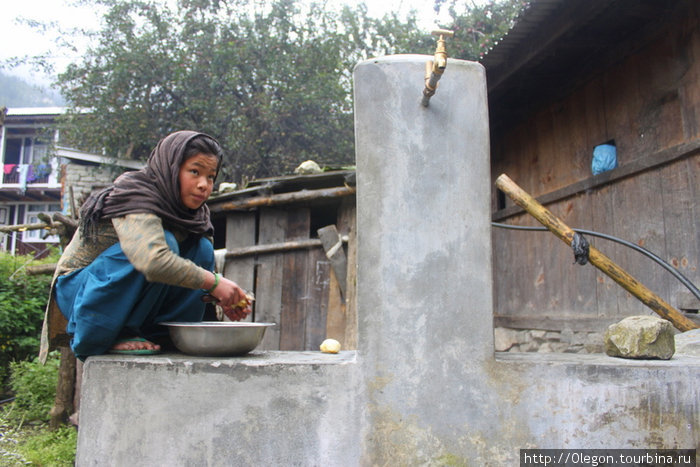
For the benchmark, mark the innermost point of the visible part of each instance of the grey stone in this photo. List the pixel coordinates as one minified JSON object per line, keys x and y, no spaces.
{"x":504,"y":339}
{"x":567,"y":335}
{"x":594,"y":346}
{"x":688,"y":343}
{"x":552,"y":336}
{"x":645,"y":337}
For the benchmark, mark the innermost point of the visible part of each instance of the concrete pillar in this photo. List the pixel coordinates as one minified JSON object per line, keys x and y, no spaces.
{"x":424,"y":241}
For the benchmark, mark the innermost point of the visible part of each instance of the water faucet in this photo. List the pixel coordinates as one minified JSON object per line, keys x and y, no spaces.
{"x":434,"y":68}
{"x":441,"y":50}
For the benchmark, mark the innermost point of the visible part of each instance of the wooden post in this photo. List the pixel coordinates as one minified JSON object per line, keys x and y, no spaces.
{"x":333,"y":246}
{"x":63,"y":402}
{"x":596,"y":258}
{"x":336,"y":318}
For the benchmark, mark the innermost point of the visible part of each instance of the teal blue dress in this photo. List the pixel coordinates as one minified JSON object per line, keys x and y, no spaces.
{"x":109,"y":299}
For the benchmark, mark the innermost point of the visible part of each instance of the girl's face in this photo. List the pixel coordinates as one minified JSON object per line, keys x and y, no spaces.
{"x":197,"y":176}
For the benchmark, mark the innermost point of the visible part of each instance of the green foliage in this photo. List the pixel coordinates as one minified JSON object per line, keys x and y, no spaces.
{"x":23,"y":300}
{"x":271,"y":79}
{"x":478,"y":27}
{"x":37,"y":445}
{"x":33,"y":443}
{"x":50,"y":448}
{"x":34,"y":386}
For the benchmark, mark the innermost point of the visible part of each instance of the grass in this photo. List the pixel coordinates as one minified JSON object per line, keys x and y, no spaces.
{"x":36,"y":445}
{"x":25,"y":437}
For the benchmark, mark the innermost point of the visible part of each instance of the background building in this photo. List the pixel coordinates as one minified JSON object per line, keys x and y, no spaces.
{"x":42,"y":176}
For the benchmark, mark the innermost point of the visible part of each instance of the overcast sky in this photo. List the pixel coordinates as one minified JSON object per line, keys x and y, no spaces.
{"x":21,"y":39}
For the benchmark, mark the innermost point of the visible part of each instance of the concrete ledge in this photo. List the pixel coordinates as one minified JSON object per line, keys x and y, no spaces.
{"x":175,"y":409}
{"x":684,"y":361}
{"x":255,"y":358}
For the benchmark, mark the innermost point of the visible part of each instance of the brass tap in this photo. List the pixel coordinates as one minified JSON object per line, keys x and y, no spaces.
{"x":441,"y":50}
{"x":436,"y":67}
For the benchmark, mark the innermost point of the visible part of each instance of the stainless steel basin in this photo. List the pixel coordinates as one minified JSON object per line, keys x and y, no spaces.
{"x":216,"y":338}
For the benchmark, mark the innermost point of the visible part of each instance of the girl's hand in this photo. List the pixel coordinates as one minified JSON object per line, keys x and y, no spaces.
{"x":236,"y":313}
{"x":234,"y":301}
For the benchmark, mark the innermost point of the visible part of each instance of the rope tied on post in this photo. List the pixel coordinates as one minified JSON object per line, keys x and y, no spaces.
{"x":581,"y":248}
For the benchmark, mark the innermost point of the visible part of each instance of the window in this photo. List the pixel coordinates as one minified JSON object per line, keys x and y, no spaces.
{"x":32,"y":217}
{"x":22,"y":151}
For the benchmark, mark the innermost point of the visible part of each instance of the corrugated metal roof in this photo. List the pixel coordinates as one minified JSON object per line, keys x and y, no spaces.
{"x":557,"y":44}
{"x":35,"y":111}
{"x":537,"y":12}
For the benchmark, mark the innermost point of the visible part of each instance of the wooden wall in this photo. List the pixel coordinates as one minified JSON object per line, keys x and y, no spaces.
{"x":649,"y":104}
{"x":295,"y":289}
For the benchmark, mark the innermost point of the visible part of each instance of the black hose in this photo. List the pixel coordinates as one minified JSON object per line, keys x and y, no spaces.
{"x":7,"y":400}
{"x":693,"y":289}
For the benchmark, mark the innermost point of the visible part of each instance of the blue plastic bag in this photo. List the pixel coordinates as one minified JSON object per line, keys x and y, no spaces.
{"x":604,"y":158}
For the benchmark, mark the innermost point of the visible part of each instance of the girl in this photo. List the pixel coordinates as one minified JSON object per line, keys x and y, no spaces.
{"x":143,"y":255}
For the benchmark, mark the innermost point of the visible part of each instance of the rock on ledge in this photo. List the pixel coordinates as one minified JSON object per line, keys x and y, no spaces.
{"x":644,"y":337}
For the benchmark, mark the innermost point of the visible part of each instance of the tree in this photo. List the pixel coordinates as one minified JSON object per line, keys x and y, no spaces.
{"x":270,"y":79}
{"x":478,"y":26}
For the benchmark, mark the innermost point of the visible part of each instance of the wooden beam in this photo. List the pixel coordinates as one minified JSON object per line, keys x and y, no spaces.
{"x":283,"y":198}
{"x":596,"y":258}
{"x":630,"y":169}
{"x":275,"y":247}
{"x":550,"y":323}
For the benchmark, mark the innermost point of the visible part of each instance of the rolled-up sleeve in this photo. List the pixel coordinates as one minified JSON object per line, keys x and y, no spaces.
{"x":142,"y":240}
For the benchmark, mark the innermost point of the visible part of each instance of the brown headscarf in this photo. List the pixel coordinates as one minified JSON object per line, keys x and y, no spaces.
{"x":154,"y":189}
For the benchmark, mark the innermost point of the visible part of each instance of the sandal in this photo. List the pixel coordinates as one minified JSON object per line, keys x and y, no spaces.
{"x":133,"y":351}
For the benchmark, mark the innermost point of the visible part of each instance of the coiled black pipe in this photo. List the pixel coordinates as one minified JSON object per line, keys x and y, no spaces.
{"x":684,"y":280}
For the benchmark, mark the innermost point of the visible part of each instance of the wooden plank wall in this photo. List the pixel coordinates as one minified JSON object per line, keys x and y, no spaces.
{"x":294,"y":289}
{"x":649,"y":105}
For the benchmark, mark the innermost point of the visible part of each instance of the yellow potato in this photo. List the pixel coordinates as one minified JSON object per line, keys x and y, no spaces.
{"x":244,"y":302}
{"x":330,"y":346}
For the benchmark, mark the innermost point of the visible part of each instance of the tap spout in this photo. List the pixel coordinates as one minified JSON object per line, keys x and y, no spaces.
{"x":436,"y":67}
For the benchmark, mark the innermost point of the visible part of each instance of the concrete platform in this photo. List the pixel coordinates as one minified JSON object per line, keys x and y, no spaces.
{"x":309,"y":408}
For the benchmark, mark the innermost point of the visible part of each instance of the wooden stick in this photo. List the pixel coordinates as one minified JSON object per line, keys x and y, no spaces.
{"x":596,"y":258}
{"x":68,"y":221}
{"x":73,"y":209}
{"x":23,"y":227}
{"x":333,"y":246}
{"x":48,"y":268}
{"x":283,"y":198}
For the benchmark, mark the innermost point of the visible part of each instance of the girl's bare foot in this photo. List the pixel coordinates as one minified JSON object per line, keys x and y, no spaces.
{"x":135,"y":343}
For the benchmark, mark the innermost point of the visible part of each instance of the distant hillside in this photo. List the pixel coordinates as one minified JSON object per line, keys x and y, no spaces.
{"x":15,"y":92}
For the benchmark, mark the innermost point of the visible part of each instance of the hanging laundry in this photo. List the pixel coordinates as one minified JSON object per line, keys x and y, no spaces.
{"x":23,"y":172}
{"x":30,"y":174}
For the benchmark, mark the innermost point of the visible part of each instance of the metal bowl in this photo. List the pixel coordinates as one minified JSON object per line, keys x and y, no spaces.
{"x":216,"y":338}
